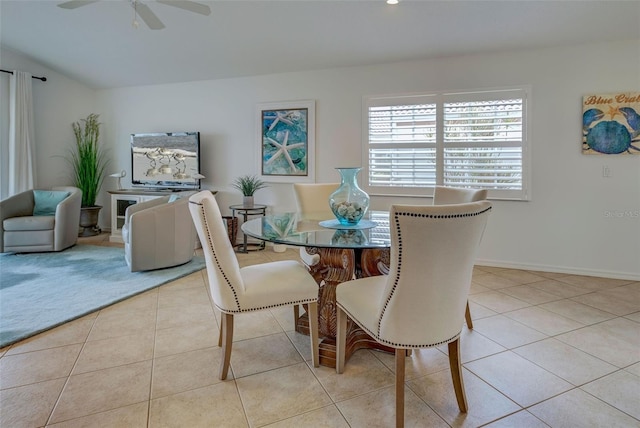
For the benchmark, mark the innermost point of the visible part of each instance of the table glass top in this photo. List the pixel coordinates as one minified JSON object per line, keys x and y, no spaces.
{"x":240,"y":207}
{"x":295,"y":229}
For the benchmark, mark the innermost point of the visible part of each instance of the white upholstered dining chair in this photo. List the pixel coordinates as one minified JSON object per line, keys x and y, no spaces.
{"x":421,"y":302}
{"x":236,"y":290}
{"x":443,"y":195}
{"x":312,"y":201}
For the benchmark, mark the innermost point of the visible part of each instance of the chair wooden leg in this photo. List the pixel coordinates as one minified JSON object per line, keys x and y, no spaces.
{"x":220,"y":332}
{"x":401,"y":354}
{"x":227,"y":340}
{"x":312,"y":309}
{"x":456,"y":374}
{"x":296,"y":315}
{"x":341,"y":340}
{"x":467,"y":316}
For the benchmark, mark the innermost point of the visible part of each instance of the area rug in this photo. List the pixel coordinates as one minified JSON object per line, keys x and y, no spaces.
{"x":39,"y":291}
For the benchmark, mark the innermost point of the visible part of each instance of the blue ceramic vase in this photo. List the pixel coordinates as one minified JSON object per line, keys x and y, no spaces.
{"x":349,"y":202}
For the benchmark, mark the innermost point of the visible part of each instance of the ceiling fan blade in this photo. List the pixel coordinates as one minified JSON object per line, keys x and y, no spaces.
{"x":72,"y":4}
{"x":147,"y":15}
{"x":191,"y":6}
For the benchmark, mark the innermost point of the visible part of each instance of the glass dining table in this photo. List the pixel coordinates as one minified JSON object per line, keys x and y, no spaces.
{"x":333,"y":254}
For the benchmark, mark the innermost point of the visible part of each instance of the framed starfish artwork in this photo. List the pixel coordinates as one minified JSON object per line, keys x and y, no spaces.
{"x":287,"y":141}
{"x":611,"y":124}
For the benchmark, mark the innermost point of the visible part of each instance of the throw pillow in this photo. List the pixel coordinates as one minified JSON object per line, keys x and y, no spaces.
{"x":46,"y":201}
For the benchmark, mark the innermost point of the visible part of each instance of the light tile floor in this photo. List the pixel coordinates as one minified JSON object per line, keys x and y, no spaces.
{"x":547,"y":350}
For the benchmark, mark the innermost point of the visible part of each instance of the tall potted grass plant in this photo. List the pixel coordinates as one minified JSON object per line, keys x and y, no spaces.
{"x":88,"y":162}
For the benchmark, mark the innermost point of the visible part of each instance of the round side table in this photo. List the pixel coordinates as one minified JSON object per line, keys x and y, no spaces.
{"x":246,"y":212}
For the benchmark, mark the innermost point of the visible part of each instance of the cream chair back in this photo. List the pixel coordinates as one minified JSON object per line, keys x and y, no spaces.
{"x":225,"y":280}
{"x":433,"y":250}
{"x":313,"y":199}
{"x":452,"y":195}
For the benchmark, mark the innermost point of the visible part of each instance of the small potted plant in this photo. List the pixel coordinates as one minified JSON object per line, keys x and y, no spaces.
{"x":248,"y":185}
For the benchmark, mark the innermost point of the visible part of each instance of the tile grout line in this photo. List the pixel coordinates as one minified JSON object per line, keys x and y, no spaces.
{"x":68,"y":379}
{"x":153,"y":357}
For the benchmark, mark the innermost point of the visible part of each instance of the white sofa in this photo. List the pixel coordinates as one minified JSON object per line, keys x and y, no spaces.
{"x":158,"y":234}
{"x":24,"y":232}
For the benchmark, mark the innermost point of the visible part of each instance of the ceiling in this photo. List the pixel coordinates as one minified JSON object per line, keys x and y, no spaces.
{"x":97,"y":44}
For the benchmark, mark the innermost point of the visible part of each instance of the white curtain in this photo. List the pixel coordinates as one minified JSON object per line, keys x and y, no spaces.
{"x":21,"y":136}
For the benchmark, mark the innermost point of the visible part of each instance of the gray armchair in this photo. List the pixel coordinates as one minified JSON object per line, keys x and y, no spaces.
{"x":158,"y":234}
{"x":22,"y":232}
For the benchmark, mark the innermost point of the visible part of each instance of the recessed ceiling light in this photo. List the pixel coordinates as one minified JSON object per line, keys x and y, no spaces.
{"x":392,"y":1}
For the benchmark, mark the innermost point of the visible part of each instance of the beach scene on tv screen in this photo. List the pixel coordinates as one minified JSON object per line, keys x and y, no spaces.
{"x":163,"y":158}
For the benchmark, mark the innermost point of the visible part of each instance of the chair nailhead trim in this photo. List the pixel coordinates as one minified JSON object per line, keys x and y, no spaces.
{"x":215,"y":257}
{"x":395,"y":344}
{"x":396,"y":220}
{"x":443,"y":215}
{"x":296,"y":302}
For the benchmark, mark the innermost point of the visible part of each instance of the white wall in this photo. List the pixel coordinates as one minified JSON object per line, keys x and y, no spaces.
{"x":571,"y":224}
{"x":57,"y":103}
{"x":564,"y":228}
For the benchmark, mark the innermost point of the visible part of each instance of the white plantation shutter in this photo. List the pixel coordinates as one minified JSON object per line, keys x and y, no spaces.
{"x":380,"y":234}
{"x":471,"y":139}
{"x":402,"y":142}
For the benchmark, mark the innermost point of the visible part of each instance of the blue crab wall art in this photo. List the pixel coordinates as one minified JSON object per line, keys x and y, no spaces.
{"x":611,"y":124}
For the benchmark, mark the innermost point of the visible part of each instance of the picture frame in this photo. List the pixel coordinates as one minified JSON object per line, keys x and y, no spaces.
{"x":286,"y":141}
{"x":611,"y":124}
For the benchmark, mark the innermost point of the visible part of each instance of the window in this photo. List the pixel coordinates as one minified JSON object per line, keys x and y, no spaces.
{"x":464,"y":139}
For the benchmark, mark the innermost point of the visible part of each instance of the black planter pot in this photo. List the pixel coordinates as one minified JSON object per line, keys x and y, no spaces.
{"x":89,"y":221}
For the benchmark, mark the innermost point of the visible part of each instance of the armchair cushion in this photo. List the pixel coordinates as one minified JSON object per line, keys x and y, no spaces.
{"x":46,"y":201}
{"x":41,"y":222}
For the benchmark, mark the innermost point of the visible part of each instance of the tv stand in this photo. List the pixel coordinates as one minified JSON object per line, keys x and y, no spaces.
{"x":154,"y":190}
{"x":161,"y":190}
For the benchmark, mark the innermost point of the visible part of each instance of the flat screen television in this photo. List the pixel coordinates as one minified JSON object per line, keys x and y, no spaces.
{"x":166,"y":160}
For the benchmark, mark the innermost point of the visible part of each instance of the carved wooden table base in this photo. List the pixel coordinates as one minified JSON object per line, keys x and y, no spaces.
{"x":337,"y":266}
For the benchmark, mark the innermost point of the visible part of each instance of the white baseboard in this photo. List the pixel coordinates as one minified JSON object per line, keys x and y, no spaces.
{"x":632,"y":276}
{"x":561,"y":269}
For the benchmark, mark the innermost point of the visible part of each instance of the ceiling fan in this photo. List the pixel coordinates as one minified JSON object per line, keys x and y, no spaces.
{"x":144,"y":12}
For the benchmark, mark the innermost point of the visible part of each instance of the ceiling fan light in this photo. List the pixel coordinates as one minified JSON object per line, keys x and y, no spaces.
{"x":140,"y":9}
